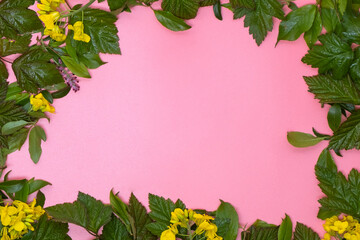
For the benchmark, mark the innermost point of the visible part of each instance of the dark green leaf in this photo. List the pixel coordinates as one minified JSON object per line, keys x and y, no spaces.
{"x":10,"y":112}
{"x":185,"y":9}
{"x":40,"y":199}
{"x":226,"y":210}
{"x":16,"y":19}
{"x":36,"y":135}
{"x":223,"y":225}
{"x":311,"y":36}
{"x":285,"y":229}
{"x":69,"y":212}
{"x":16,"y":140}
{"x":329,"y":19}
{"x":47,"y":95}
{"x":205,"y":3}
{"x":61,"y":93}
{"x":4,"y":88}
{"x":297,"y":22}
{"x":141,"y":219}
{"x":302,"y":232}
{"x":240,"y":12}
{"x":116,"y":4}
{"x":12,"y":186}
{"x":78,"y":69}
{"x":249,"y":4}
{"x":97,"y":213}
{"x":261,"y":230}
{"x":35,"y":185}
{"x":161,"y":208}
{"x":351,"y":28}
{"x":333,"y":54}
{"x":217,"y":10}
{"x":120,"y":209}
{"x":329,"y":90}
{"x":157,"y":228}
{"x":4,"y":74}
{"x":168,"y":20}
{"x":99,"y":25}
{"x":19,"y":45}
{"x":91,"y":61}
{"x":50,"y":230}
{"x":115,"y":230}
{"x":12,"y":127}
{"x":33,"y":70}
{"x":347,"y":136}
{"x":300,"y":139}
{"x":23,"y":194}
{"x":334,"y":117}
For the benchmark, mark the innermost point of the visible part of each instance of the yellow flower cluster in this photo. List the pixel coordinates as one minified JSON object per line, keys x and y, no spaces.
{"x":185,"y":218}
{"x":347,"y":228}
{"x":49,"y":15}
{"x":38,"y":102}
{"x":17,"y":219}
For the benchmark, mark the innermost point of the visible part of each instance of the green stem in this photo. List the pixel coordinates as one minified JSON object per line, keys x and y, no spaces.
{"x":80,"y":9}
{"x":189,"y":232}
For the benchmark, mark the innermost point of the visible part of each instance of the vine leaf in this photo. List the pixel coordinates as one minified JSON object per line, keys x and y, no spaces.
{"x":347,"y":136}
{"x":141,"y":218}
{"x":98,"y":214}
{"x":168,"y":20}
{"x":99,"y":25}
{"x":114,"y":230}
{"x":16,"y":19}
{"x":260,"y":19}
{"x":329,"y":90}
{"x":333,"y":55}
{"x":50,"y":230}
{"x":303,"y":232}
{"x":33,"y":70}
{"x":297,"y":22}
{"x":185,"y":9}
{"x":342,"y":195}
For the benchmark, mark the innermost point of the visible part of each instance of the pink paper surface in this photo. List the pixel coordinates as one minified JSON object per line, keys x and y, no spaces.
{"x":200,"y":115}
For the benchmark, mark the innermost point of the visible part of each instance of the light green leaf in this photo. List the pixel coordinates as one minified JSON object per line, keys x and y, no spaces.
{"x":285,"y":229}
{"x":12,"y":127}
{"x":333,"y":55}
{"x":329,"y":90}
{"x":226,"y":210}
{"x":185,"y":9}
{"x":78,"y":69}
{"x":36,"y":135}
{"x":97,"y":213}
{"x":347,"y":136}
{"x":33,"y":70}
{"x":50,"y":230}
{"x":302,"y":232}
{"x":168,"y":20}
{"x":301,"y":140}
{"x":297,"y":22}
{"x":120,"y":209}
{"x":342,"y":6}
{"x":334,"y":117}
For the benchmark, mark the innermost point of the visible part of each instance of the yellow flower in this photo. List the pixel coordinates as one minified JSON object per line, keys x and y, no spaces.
{"x":200,"y":218}
{"x":47,"y":6}
{"x":55,"y":33}
{"x":329,"y":222}
{"x":38,"y":102}
{"x":79,"y":34}
{"x":170,"y":233}
{"x":339,"y":226}
{"x":327,"y":236}
{"x":180,"y":217}
{"x":50,"y":19}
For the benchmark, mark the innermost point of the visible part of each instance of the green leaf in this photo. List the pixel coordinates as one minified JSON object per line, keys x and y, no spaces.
{"x":19,"y":45}
{"x":249,"y":4}
{"x":12,"y":127}
{"x":311,"y":36}
{"x":141,"y":219}
{"x":329,"y":90}
{"x":114,"y":230}
{"x":116,"y":4}
{"x":91,"y":60}
{"x":260,"y":20}
{"x":4,"y":89}
{"x":69,"y":212}
{"x":120,"y":209}
{"x":333,"y":55}
{"x":285,"y":229}
{"x":301,"y":140}
{"x":50,"y":230}
{"x":78,"y":69}
{"x":240,"y":12}
{"x":47,"y":95}
{"x":259,"y":231}
{"x":168,"y":20}
{"x":16,"y":141}
{"x":302,"y":232}
{"x":97,"y":213}
{"x":223,"y":225}
{"x":157,"y":228}
{"x":161,"y":208}
{"x":334,"y":117}
{"x":35,"y":185}
{"x":297,"y":22}
{"x":33,"y":70}
{"x":40,"y":199}
{"x":23,"y":194}
{"x":329,"y":19}
{"x":16,"y":19}
{"x":342,"y":6}
{"x":61,"y":93}
{"x":351,"y":28}
{"x":4,"y":74}
{"x":226,"y":210}
{"x":185,"y":9}
{"x":205,"y":3}
{"x":12,"y":186}
{"x":347,"y":136}
{"x":36,"y":135}
{"x":10,"y":112}
{"x":217,"y":10}
{"x":99,"y":25}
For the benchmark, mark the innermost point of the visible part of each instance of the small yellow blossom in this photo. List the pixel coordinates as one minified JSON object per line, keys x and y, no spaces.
{"x":47,"y":6}
{"x":170,"y":233}
{"x":327,"y":236}
{"x":50,"y":19}
{"x":339,"y":226}
{"x":79,"y":34}
{"x":38,"y":102}
{"x":55,"y":33}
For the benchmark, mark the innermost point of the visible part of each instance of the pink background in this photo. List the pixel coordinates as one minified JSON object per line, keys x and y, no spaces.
{"x":201,"y":115}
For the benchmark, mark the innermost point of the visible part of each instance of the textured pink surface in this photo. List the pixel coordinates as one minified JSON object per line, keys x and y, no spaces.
{"x":201,"y":115}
